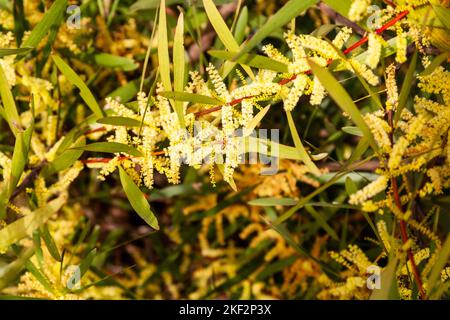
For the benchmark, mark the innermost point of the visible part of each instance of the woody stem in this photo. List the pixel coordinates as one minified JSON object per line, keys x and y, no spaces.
{"x":403,"y":227}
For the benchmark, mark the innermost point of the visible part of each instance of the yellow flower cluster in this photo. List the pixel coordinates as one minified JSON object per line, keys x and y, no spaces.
{"x":304,"y":47}
{"x":369,"y":191}
{"x":392,"y":90}
{"x":358,"y":9}
{"x":380,"y":130}
{"x":374,"y":50}
{"x":420,"y":135}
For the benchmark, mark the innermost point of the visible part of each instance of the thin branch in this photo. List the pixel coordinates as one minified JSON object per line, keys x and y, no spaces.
{"x":403,"y":226}
{"x":28,"y":180}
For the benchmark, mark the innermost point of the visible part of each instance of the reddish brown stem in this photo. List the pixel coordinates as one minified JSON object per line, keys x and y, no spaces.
{"x":95,"y":130}
{"x":399,"y":17}
{"x":403,"y":226}
{"x":122,"y":158}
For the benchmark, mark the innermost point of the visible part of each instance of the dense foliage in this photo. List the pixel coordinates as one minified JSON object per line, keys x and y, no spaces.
{"x":225,"y":149}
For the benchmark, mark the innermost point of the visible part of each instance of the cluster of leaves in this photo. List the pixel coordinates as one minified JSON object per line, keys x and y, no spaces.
{"x":362,"y":175}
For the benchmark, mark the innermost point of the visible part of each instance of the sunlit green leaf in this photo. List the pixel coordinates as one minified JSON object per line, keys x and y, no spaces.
{"x":112,"y":61}
{"x":284,"y":15}
{"x":388,"y":289}
{"x":25,"y":226}
{"x":137,"y":199}
{"x":50,"y":18}
{"x":110,"y":147}
{"x":303,"y":154}
{"x":85,"y":93}
{"x":9,"y":105}
{"x":355,"y":131}
{"x":13,"y":51}
{"x":179,"y":65}
{"x":120,"y":121}
{"x":191,"y":97}
{"x":222,"y":31}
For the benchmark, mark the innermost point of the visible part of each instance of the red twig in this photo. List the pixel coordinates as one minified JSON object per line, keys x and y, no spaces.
{"x":392,"y":22}
{"x":95,"y":130}
{"x":122,"y":158}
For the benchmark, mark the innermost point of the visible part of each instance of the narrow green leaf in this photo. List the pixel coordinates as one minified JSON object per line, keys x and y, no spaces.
{"x":112,"y":61}
{"x":388,"y":289}
{"x":9,"y":106}
{"x":434,"y":64}
{"x":222,"y":31}
{"x":319,"y":156}
{"x":120,"y":121}
{"x":11,"y":271}
{"x":304,"y":156}
{"x":13,"y":51}
{"x":40,"y":30}
{"x":443,"y":14}
{"x":126,"y":92}
{"x":20,"y":22}
{"x":252,"y":60}
{"x":322,"y":222}
{"x":220,"y":26}
{"x":39,"y":276}
{"x":91,"y":242}
{"x":178,"y":66}
{"x":442,"y":259}
{"x":253,"y":144}
{"x":231,"y":182}
{"x":50,"y":243}
{"x":137,"y":199}
{"x":255,"y":121}
{"x":20,"y":157}
{"x":38,"y":247}
{"x":241,"y":24}
{"x":110,"y":147}
{"x":75,"y":134}
{"x":289,"y":11}
{"x":65,"y":158}
{"x":75,"y":80}
{"x":191,"y":97}
{"x":350,"y":186}
{"x":343,"y":100}
{"x":163,"y":48}
{"x":87,"y":262}
{"x":355,"y":131}
{"x":25,"y":226}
